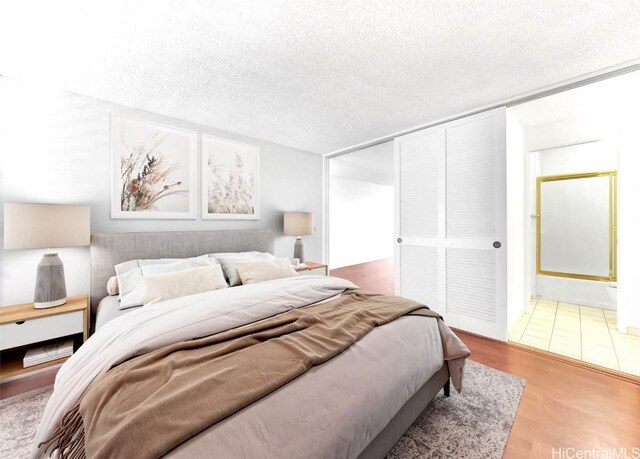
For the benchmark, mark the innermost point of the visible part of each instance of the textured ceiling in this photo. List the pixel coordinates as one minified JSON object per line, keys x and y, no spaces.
{"x":316,"y":75}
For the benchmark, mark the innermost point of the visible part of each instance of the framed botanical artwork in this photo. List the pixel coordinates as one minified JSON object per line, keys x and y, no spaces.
{"x":230,"y":179}
{"x":154,"y":170}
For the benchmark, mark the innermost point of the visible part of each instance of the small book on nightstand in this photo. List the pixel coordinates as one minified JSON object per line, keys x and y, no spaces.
{"x":47,"y":353}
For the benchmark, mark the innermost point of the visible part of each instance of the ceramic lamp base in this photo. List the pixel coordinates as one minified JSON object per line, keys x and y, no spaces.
{"x":51,"y":288}
{"x":298,"y":250}
{"x":50,"y":304}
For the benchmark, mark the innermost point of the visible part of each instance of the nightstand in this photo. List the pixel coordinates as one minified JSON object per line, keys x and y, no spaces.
{"x":318,"y":269}
{"x":23,"y":327}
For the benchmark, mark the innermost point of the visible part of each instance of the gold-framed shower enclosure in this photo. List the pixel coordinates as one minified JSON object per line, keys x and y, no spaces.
{"x":613,"y":224}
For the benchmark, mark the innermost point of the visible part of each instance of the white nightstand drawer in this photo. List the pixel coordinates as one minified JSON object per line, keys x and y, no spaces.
{"x":36,"y":330}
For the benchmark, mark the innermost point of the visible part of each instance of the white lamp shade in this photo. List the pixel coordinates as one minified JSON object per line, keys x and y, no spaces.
{"x":41,"y":226}
{"x":298,"y":223}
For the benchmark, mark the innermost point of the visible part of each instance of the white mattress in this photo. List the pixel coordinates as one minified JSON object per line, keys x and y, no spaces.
{"x":109,"y":309}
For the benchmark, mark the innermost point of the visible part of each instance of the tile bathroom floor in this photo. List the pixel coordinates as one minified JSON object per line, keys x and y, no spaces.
{"x":580,"y":332}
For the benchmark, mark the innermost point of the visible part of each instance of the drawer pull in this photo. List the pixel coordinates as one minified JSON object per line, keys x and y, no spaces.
{"x":20,"y":323}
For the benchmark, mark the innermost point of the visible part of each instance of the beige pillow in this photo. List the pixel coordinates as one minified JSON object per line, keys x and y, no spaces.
{"x":165,"y":286}
{"x":112,"y":286}
{"x":130,"y":282}
{"x":264,"y":270}
{"x":228,"y":262}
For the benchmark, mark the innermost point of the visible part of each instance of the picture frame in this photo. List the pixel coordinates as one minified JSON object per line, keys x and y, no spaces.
{"x":230,"y":179}
{"x":153,"y":170}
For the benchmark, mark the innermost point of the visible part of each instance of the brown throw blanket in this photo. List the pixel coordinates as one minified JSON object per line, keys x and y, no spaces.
{"x":148,"y":405}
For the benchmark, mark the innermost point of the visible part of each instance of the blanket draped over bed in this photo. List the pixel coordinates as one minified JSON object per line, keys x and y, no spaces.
{"x":149,"y":404}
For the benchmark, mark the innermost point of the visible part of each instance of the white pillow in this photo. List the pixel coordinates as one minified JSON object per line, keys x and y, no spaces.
{"x":135,"y":264}
{"x":130,"y":282}
{"x":229,"y":263}
{"x":122,"y":268}
{"x":112,"y":286}
{"x":127,"y":266}
{"x":264,"y":270}
{"x":166,"y":286}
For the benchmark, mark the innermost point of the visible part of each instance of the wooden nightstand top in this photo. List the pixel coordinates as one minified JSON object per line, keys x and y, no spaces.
{"x":19,"y":312}
{"x":310,"y":265}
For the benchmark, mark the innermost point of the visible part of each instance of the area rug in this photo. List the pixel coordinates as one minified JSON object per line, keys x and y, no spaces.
{"x":19,"y":419}
{"x":474,"y":424}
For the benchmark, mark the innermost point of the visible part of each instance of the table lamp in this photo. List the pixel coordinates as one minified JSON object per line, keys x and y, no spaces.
{"x":298,"y":224}
{"x":47,"y":226}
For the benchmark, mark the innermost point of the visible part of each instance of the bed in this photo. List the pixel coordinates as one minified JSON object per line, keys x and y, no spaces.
{"x":355,"y":405}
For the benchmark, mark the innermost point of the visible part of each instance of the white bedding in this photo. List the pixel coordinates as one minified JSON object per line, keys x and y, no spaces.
{"x":109,"y":309}
{"x":346,"y":401}
{"x":149,"y":328}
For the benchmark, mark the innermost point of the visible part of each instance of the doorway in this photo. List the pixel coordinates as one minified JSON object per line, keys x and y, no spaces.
{"x":360,"y":227}
{"x":581,"y":150}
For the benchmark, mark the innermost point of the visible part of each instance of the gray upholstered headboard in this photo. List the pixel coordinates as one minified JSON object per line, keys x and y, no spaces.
{"x":107,"y":250}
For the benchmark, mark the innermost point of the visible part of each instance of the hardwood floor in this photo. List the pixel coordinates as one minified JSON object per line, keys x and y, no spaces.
{"x":376,"y":276}
{"x":563,"y":405}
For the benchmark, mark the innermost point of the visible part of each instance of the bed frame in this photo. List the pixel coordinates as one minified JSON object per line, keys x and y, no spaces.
{"x":107,"y":250}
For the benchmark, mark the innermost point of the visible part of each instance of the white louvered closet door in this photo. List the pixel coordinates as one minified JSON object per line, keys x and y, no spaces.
{"x":419,"y":208}
{"x":451,"y":221}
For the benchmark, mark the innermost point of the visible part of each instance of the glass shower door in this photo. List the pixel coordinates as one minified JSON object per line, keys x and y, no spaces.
{"x":576,"y":234}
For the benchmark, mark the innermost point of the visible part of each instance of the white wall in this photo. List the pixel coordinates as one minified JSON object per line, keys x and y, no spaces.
{"x":629,"y":231}
{"x":584,"y":157}
{"x":54,"y":148}
{"x":517,"y":220}
{"x":361,"y":204}
{"x":374,"y":165}
{"x":360,"y":222}
{"x":575,"y":291}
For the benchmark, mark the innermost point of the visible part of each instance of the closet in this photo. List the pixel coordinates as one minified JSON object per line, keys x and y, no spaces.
{"x":450,"y":221}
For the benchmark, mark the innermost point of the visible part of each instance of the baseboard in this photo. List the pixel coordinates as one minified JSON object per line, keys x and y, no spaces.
{"x":633,"y":331}
{"x":561,"y":358}
{"x":479,"y":336}
{"x":578,"y":363}
{"x":28,"y":382}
